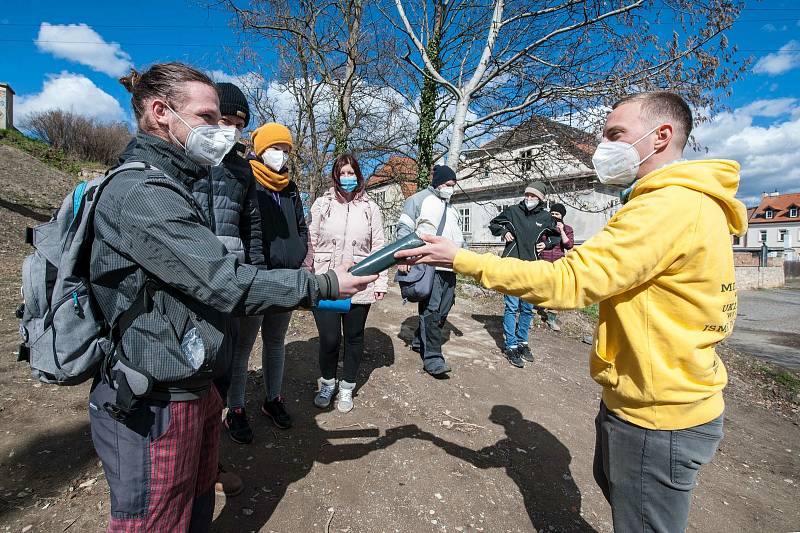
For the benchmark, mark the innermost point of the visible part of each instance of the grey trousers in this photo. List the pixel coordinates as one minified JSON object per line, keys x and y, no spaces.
{"x":433,"y":312}
{"x":648,"y":475}
{"x":273,"y":354}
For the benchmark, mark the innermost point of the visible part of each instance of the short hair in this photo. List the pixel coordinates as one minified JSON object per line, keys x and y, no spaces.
{"x":162,"y":80}
{"x":663,"y":106}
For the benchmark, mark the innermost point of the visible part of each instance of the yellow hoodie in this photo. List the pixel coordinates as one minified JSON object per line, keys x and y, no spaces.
{"x":662,"y":270}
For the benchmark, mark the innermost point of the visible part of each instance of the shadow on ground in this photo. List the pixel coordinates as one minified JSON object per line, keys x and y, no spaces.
{"x":536,"y":461}
{"x":493,"y":324}
{"x":289,"y":455}
{"x":47,"y":465}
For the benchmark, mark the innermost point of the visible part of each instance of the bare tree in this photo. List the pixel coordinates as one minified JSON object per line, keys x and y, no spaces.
{"x":83,"y":138}
{"x":329,"y":84}
{"x":503,"y":59}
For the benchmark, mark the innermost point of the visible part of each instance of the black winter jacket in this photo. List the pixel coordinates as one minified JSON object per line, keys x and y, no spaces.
{"x":284,"y":231}
{"x":527,"y":227}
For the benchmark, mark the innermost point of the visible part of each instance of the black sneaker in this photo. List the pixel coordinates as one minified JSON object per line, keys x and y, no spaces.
{"x":275,"y":411}
{"x":525,"y":352}
{"x":238,"y":428}
{"x":513,"y":357}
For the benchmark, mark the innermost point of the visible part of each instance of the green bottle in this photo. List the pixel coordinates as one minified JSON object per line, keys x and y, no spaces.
{"x":384,"y":258}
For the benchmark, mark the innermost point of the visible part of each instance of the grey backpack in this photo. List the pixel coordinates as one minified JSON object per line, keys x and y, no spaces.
{"x":417,"y":283}
{"x":65,"y":337}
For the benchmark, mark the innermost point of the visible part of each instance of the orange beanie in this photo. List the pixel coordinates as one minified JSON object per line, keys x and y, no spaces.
{"x":270,"y":134}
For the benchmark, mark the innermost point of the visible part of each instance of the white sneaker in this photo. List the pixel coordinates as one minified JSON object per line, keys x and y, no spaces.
{"x":344,"y":400}
{"x":326,"y":389}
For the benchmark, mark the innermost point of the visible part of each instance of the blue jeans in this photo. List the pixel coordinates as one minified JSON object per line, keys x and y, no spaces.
{"x":648,"y":475}
{"x":516,"y":332}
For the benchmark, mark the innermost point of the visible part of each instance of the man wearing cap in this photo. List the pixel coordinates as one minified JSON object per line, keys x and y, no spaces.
{"x":236,"y":220}
{"x":424,"y":212}
{"x":527,"y":229}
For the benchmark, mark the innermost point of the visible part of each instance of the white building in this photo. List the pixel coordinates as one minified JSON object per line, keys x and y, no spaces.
{"x":776,"y":222}
{"x":495,"y":176}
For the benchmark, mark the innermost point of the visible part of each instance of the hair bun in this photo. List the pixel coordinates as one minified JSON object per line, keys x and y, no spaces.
{"x":130,"y":81}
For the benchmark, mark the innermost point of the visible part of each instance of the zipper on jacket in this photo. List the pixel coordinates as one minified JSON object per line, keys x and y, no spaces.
{"x":211,"y":218}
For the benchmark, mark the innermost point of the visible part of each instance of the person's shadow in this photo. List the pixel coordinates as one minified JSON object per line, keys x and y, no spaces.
{"x":279,"y":458}
{"x":536,"y":461}
{"x":411,"y":323}
{"x":493,"y":325}
{"x":46,"y":465}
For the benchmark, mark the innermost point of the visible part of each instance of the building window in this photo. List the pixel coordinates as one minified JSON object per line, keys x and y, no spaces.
{"x":464,"y":216}
{"x":793,"y":212}
{"x":526,"y":160}
{"x":736,"y":240}
{"x":762,"y":236}
{"x":782,"y":235}
{"x":768,"y":213}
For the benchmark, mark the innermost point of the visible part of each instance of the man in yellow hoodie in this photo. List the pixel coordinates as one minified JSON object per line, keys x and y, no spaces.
{"x":662,"y":271}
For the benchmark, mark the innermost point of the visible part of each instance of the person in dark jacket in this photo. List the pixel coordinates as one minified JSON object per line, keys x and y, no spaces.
{"x":154,"y":414}
{"x":522,"y":226}
{"x":557,"y":211}
{"x":285,"y":240}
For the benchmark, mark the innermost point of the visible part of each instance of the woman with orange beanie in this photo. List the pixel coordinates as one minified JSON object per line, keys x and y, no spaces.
{"x":285,"y":238}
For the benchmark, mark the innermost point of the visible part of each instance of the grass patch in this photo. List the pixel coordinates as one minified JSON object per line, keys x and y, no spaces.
{"x":786,"y":379}
{"x":592,"y":311}
{"x":44,"y":153}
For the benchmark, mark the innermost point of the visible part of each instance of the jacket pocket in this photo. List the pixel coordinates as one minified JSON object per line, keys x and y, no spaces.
{"x":603,"y":371}
{"x":322,"y":262}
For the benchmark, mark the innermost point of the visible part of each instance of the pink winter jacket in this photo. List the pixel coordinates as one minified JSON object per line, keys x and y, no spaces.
{"x":345,"y":232}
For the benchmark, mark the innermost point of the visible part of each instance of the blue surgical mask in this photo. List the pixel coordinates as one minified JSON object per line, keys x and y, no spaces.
{"x":348,"y":183}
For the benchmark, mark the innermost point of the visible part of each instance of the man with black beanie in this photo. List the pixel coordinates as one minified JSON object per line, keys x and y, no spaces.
{"x":429,"y":212}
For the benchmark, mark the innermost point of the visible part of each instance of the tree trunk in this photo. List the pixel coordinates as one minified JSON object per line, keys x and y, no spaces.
{"x":459,"y":125}
{"x":426,"y":137}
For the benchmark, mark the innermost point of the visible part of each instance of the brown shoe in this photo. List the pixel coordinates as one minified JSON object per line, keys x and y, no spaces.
{"x":228,"y":484}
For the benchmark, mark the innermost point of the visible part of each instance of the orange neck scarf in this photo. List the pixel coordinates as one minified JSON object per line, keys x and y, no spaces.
{"x":267,"y":177}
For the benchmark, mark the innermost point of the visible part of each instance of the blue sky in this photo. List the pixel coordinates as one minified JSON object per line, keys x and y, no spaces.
{"x":761,"y":130}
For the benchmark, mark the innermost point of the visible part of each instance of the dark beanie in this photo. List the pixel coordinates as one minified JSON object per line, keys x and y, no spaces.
{"x":442,"y":174}
{"x":233,"y":102}
{"x":559,"y":208}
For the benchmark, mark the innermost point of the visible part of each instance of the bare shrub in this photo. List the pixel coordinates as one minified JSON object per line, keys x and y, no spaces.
{"x":80,"y":137}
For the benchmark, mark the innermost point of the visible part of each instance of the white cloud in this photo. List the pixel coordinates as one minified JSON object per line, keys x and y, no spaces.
{"x":769,"y":154}
{"x":81,"y":44}
{"x":785,"y":59}
{"x":70,"y":92}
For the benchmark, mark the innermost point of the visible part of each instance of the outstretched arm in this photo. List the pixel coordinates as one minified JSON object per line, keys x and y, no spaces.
{"x":639,"y":242}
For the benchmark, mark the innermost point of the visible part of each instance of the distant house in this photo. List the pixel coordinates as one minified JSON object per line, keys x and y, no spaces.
{"x":389,"y":186}
{"x":495,"y":176}
{"x":776,"y":222}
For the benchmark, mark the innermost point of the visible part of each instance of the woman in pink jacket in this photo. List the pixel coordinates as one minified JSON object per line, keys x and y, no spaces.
{"x":345,"y":227}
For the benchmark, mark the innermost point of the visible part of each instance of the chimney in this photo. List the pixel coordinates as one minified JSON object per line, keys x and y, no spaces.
{"x":6,"y":107}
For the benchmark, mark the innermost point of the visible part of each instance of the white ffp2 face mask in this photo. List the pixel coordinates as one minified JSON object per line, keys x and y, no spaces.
{"x":445,"y":192}
{"x":617,"y":162}
{"x":531,"y":204}
{"x":275,"y":159}
{"x":206,"y":144}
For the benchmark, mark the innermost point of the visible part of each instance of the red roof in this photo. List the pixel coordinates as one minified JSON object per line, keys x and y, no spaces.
{"x":399,"y":169}
{"x":779,"y":205}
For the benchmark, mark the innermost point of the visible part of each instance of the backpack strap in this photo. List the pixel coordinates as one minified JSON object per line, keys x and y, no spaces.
{"x":129,"y":380}
{"x":440,"y":229}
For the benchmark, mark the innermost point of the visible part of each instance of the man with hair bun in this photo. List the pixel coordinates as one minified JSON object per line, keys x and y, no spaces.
{"x":662,"y":272}
{"x":154,"y":251}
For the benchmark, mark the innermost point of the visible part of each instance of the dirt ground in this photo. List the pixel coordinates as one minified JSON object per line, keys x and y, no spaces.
{"x":492,"y":449}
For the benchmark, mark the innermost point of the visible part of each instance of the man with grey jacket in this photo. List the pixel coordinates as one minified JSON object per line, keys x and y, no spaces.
{"x":424,"y":212}
{"x":154,"y":414}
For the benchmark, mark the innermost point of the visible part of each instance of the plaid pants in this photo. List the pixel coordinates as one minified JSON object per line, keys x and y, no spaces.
{"x":161,"y":464}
